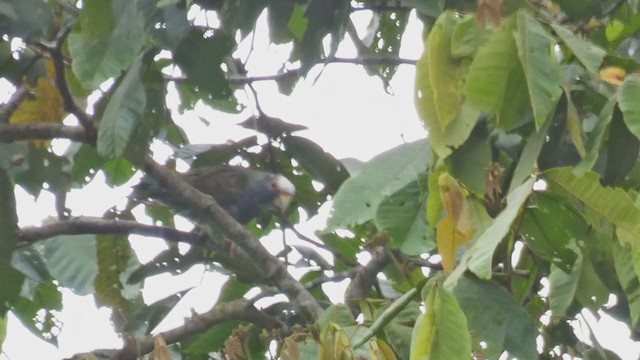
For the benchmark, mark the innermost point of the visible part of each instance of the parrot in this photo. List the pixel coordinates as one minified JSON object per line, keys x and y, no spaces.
{"x":244,"y":193}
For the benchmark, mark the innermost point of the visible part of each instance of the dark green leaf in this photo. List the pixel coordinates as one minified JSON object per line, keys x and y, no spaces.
{"x":10,"y":277}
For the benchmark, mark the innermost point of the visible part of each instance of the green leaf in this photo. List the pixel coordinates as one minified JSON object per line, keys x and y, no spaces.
{"x":491,"y":69}
{"x":591,"y":292}
{"x":9,"y":277}
{"x":496,"y":319}
{"x":383,"y":39}
{"x":118,"y":171}
{"x":574,"y":125}
{"x":625,"y":261}
{"x":457,"y":132}
{"x":72,"y":261}
{"x":549,"y":226}
{"x":589,"y":54}
{"x":535,"y":48}
{"x":113,"y":253}
{"x":122,"y":114}
{"x":200,"y":59}
{"x":358,"y":198}
{"x":527,"y":163}
{"x":110,"y":36}
{"x":596,"y":138}
{"x":482,"y":251}
{"x":628,"y":102}
{"x":622,"y":152}
{"x":30,"y":20}
{"x":467,"y":37}
{"x":442,"y":333}
{"x":324,"y":17}
{"x":563,"y":286}
{"x":403,"y":217}
{"x":37,"y":308}
{"x":469,"y":162}
{"x":320,"y":164}
{"x":612,"y":204}
{"x":445,"y":72}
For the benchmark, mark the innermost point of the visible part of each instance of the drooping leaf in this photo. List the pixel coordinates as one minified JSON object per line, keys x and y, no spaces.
{"x":482,"y":250}
{"x":122,"y":114}
{"x":596,"y":137}
{"x":449,"y":239}
{"x":540,"y":67}
{"x":563,"y":285}
{"x":627,"y":100}
{"x":574,"y":125}
{"x":324,"y":17}
{"x":590,"y":55}
{"x":496,"y":320}
{"x":492,"y":67}
{"x":625,"y":260}
{"x":445,"y":72}
{"x":113,"y":253}
{"x":612,"y":204}
{"x":442,"y":332}
{"x":72,"y":261}
{"x":402,"y":216}
{"x":110,"y":37}
{"x":467,"y":37}
{"x":358,"y":198}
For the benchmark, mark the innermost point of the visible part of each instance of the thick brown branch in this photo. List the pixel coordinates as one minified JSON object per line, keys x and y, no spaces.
{"x":364,"y":278}
{"x":33,"y":131}
{"x":273,"y":269}
{"x":235,"y":310}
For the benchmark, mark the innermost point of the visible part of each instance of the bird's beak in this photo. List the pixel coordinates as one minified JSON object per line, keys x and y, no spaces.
{"x":286,"y":191}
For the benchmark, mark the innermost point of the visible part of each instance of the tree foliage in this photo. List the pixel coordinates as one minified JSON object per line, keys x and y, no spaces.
{"x":517,"y":214}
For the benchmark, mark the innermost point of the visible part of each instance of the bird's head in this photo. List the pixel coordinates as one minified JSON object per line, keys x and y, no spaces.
{"x":284,"y":192}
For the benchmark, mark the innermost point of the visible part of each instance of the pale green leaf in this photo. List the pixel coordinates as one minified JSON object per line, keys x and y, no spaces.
{"x":491,"y":69}
{"x":589,"y":54}
{"x":467,"y":37}
{"x":451,"y":340}
{"x":612,"y":204}
{"x":482,"y":251}
{"x":574,"y":125}
{"x":535,"y":50}
{"x":628,"y":102}
{"x":72,"y":261}
{"x":122,"y":114}
{"x":358,"y":198}
{"x":112,"y":36}
{"x":445,"y":73}
{"x":403,"y":217}
{"x":528,"y":161}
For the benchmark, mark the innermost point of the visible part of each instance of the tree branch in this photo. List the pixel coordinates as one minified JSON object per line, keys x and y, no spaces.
{"x":11,"y":106}
{"x":271,"y":267}
{"x":364,"y":278}
{"x":55,"y":51}
{"x":86,"y":225}
{"x":45,"y":131}
{"x":235,"y":310}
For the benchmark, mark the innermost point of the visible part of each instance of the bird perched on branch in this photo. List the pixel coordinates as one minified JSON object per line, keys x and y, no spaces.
{"x":244,"y":193}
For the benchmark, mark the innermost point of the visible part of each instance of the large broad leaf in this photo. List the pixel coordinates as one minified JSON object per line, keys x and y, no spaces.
{"x":402,"y":215}
{"x":445,"y":72}
{"x":357,"y":200}
{"x":496,"y":320}
{"x":491,"y":69}
{"x":628,"y":101}
{"x":200,"y":58}
{"x":26,"y":19}
{"x":541,"y":70}
{"x":589,"y":54}
{"x":9,"y":277}
{"x":37,"y":309}
{"x":625,"y":261}
{"x":122,"y":114}
{"x":72,"y":261}
{"x":614,"y":205}
{"x":563,"y":285}
{"x":482,"y":251}
{"x":110,"y":37}
{"x":325,"y":17}
{"x":441,"y":333}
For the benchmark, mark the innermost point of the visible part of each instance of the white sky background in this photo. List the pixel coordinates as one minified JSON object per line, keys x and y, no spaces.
{"x":348,"y":114}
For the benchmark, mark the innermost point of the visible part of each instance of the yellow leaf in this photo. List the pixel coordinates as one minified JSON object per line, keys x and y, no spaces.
{"x":335,"y":344}
{"x":380,"y":350}
{"x":449,"y":239}
{"x":44,"y":107}
{"x":613,"y":75}
{"x":455,"y":202}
